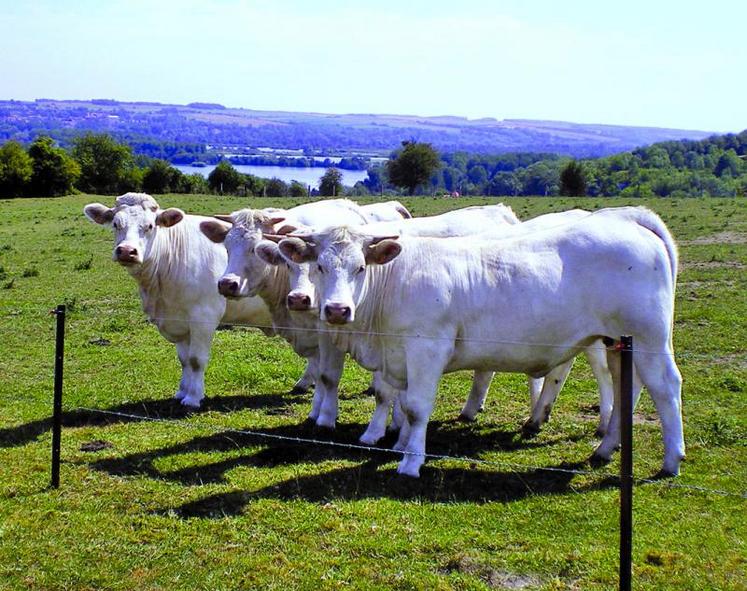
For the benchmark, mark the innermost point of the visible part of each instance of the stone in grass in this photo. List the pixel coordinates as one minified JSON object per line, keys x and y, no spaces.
{"x":96,"y":445}
{"x":101,"y":342}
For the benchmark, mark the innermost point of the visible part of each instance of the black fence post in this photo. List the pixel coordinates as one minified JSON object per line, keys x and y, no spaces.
{"x":626,"y":462}
{"x":57,"y":404}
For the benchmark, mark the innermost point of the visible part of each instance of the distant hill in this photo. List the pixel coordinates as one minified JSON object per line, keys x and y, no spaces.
{"x":216,"y":125}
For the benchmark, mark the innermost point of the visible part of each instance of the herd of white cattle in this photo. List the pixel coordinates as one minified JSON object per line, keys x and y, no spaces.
{"x":413,"y":298}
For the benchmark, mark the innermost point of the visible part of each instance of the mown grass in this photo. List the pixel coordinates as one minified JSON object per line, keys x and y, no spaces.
{"x":178,"y":505}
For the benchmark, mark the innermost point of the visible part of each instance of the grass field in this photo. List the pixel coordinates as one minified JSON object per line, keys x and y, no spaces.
{"x":177,"y":504}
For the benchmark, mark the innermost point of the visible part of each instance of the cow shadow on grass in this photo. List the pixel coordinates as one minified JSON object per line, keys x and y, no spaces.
{"x":161,"y":409}
{"x":368,"y":481}
{"x":444,"y":438}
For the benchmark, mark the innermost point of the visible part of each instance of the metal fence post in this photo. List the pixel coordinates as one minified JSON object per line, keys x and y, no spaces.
{"x":626,"y":462}
{"x":57,"y":404}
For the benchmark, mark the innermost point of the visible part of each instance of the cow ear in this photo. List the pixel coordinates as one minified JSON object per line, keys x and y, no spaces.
{"x":286,"y":229}
{"x":383,"y":251}
{"x":99,"y":214}
{"x":297,"y":250}
{"x":214,"y":230}
{"x":169,"y":217}
{"x":269,"y":253}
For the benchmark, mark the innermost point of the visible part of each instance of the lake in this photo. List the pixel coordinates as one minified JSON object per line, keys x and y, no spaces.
{"x":305,"y":175}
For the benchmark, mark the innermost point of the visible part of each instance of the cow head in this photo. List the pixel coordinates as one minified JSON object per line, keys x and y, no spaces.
{"x":339,"y":257}
{"x":240,"y":233}
{"x":302,"y":294}
{"x":135,"y":219}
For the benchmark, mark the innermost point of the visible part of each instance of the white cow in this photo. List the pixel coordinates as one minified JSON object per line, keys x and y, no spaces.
{"x":461,"y":222}
{"x":176,"y":269}
{"x":246,"y":275}
{"x":415,"y":308}
{"x":303,"y":297}
{"x":385,"y":211}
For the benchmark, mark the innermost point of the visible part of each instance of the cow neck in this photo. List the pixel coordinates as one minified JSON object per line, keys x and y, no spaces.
{"x":274,"y":288}
{"x":162,"y":264}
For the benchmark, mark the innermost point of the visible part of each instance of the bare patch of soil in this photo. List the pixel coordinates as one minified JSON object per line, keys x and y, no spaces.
{"x":719,"y":238}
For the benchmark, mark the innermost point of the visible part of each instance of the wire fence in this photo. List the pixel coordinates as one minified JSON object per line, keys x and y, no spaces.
{"x":473,"y":461}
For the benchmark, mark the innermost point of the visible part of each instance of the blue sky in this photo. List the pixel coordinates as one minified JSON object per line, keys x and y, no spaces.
{"x":656,"y":62}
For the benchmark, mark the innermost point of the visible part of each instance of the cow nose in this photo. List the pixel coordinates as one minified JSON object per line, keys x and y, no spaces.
{"x":337,"y":313}
{"x":126,"y":253}
{"x":228,"y":287}
{"x":299,"y":302}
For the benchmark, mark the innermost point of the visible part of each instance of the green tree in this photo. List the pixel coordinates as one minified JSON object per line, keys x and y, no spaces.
{"x":16,"y":168}
{"x":54,"y":171}
{"x":276,"y":188}
{"x":192,"y":183}
{"x":413,"y":165}
{"x":504,"y":183}
{"x":573,"y":180}
{"x":105,"y":164}
{"x":224,"y":178}
{"x":330,"y":184}
{"x":728,"y":164}
{"x":161,"y":177}
{"x":298,"y":189}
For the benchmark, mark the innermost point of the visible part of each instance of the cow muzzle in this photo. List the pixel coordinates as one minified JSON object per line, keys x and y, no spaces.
{"x":127,"y":255}
{"x":337,"y":313}
{"x":229,"y":287}
{"x":298,"y":302}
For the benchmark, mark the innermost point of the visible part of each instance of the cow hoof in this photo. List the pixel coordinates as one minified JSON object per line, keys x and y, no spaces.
{"x":369,"y":439}
{"x":465,"y":418}
{"x":529,"y":429}
{"x":597,"y":461}
{"x":298,"y":390}
{"x":663,"y":475}
{"x":409,"y":467}
{"x":191,"y":402}
{"x":323,"y":429}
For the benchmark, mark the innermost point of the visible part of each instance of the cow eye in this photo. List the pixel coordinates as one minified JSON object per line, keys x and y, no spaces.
{"x":150,"y":227}
{"x":319,"y":268}
{"x":361,"y":269}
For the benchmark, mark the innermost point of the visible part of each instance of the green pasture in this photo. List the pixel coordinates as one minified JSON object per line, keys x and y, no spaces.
{"x":179,"y":504}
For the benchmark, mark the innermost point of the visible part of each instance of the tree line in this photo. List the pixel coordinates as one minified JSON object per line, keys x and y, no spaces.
{"x":97,"y":163}
{"x":716,"y":166}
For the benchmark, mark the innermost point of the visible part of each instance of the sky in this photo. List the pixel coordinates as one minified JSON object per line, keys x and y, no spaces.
{"x":662,"y":63}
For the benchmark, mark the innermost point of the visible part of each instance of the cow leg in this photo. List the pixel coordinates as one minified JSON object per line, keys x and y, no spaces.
{"x":425,"y":363}
{"x":182,"y":352}
{"x":384,"y":395}
{"x":398,"y":415}
{"x":476,"y":399}
{"x":663,"y":380}
{"x":308,"y":378}
{"x":535,"y":389}
{"x":200,"y":339}
{"x":550,"y":388}
{"x":596,"y":355}
{"x":404,"y":426}
{"x":611,"y":440}
{"x":331,"y":363}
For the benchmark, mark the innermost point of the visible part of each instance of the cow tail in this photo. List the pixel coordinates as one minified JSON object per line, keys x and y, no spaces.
{"x":653,"y":223}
